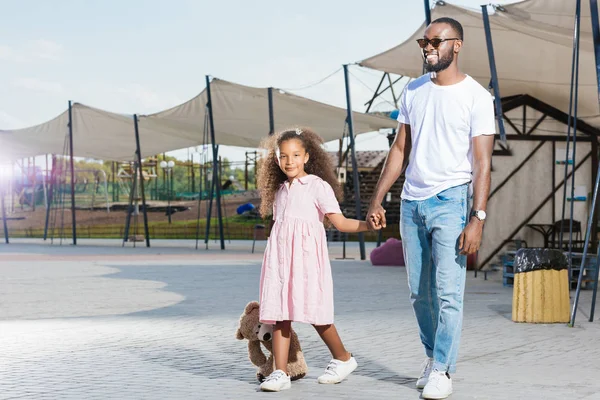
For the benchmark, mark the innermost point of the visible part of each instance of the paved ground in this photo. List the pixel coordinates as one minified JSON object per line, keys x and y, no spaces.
{"x":103,"y":322}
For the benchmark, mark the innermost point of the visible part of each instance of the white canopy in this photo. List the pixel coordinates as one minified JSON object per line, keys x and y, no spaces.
{"x":533,"y":46}
{"x":241,"y":118}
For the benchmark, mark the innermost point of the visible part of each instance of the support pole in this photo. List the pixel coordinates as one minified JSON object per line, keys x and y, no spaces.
{"x":141,"y":175}
{"x":211,"y":194}
{"x":594,"y":244}
{"x":50,"y":198}
{"x":361,"y":236}
{"x":271,"y":116}
{"x":553,"y":185}
{"x":495,"y":85}
{"x":246,"y":172}
{"x":427,"y":12}
{"x":130,"y":206}
{"x":572,"y":124}
{"x":215,"y":162}
{"x":2,"y":193}
{"x":427,"y":23}
{"x":596,"y":37}
{"x":73,"y":219}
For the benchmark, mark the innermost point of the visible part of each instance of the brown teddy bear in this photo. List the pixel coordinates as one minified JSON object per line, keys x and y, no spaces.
{"x":256,"y":333}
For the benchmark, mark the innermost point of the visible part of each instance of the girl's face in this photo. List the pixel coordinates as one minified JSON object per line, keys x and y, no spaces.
{"x":292,"y":157}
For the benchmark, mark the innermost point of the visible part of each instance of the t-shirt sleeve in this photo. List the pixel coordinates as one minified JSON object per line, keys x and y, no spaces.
{"x":325,"y":199}
{"x":483,"y":121}
{"x":403,"y":110}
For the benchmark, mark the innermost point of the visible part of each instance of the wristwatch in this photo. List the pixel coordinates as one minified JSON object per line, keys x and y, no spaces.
{"x":479,"y":214}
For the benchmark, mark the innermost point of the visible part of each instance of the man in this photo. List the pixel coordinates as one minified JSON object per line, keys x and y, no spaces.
{"x":446,"y":126}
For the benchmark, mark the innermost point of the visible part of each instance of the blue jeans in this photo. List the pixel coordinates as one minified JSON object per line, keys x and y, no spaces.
{"x":430,"y":231}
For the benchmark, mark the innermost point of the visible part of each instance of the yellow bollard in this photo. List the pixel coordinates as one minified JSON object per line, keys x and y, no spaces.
{"x":541,"y":286}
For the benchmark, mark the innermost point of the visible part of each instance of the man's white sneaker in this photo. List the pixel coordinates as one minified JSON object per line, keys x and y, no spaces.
{"x":338,"y":370}
{"x":439,"y":386}
{"x":425,"y":371}
{"x":278,"y":380}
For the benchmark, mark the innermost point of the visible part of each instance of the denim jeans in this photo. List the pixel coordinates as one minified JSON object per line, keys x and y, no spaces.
{"x":430,"y":231}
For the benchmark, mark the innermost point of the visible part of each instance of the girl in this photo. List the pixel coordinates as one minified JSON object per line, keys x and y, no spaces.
{"x":298,"y":185}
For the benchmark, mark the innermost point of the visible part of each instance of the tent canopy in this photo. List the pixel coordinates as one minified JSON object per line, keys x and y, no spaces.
{"x":533,"y":48}
{"x":241,"y":118}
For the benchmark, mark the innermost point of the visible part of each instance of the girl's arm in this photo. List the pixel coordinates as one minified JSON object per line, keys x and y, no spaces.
{"x":344,"y":224}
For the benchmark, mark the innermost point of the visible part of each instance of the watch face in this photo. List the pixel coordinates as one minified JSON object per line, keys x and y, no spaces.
{"x":481,"y":214}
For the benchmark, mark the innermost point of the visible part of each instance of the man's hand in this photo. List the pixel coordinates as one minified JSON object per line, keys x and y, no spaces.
{"x":376,"y":217}
{"x":470,"y":237}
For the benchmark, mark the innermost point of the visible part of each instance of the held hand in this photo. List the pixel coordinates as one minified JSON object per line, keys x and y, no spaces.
{"x":373,"y":226}
{"x":470,"y":237}
{"x":376,"y":217}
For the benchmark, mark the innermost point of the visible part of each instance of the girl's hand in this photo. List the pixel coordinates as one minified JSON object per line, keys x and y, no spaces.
{"x":375,"y":225}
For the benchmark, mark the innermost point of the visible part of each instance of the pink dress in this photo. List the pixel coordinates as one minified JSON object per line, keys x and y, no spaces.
{"x":295,"y":281}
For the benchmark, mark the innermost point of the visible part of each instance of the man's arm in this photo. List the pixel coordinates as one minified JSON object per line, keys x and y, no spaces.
{"x":470,"y":239}
{"x":390,"y":173}
{"x":482,"y":170}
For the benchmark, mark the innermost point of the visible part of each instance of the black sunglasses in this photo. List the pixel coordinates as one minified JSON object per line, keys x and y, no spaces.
{"x":435,"y":42}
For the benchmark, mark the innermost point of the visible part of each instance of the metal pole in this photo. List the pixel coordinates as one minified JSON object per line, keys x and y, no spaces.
{"x":169,"y":191}
{"x":2,"y":194}
{"x":575,"y":103}
{"x":199,"y":204}
{"x":215,"y":162}
{"x":271,"y":116}
{"x":50,"y":199}
{"x":246,"y":172}
{"x":596,"y":37}
{"x":496,"y":86}
{"x":73,"y":219}
{"x":361,"y":236}
{"x":553,"y":185}
{"x":132,"y":193}
{"x":427,"y":23}
{"x":211,"y":194}
{"x":141,"y":175}
{"x":583,"y":259}
{"x":569,"y":122}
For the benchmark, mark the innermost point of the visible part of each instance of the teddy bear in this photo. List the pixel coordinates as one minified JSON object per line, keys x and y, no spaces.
{"x":257,"y":333}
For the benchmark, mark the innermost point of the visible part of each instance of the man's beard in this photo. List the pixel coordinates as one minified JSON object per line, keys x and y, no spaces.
{"x":442,"y":64}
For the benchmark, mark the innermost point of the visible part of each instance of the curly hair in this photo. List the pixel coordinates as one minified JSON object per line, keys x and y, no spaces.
{"x":270,"y":176}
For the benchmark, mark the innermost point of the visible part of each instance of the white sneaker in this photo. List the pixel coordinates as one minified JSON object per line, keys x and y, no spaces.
{"x":427,"y":365}
{"x":338,"y":370}
{"x":278,"y":380}
{"x":439,"y":386}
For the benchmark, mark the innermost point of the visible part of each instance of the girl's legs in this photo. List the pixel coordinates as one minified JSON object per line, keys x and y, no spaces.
{"x":281,"y":344}
{"x":343,"y":364}
{"x":330,"y":336}
{"x":281,"y":347}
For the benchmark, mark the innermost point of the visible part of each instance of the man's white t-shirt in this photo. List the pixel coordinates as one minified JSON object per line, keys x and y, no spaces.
{"x":443,"y":121}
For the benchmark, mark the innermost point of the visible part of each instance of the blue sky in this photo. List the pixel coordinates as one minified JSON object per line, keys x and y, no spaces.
{"x":133,"y":56}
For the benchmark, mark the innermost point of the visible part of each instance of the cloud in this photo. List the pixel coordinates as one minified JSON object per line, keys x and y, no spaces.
{"x":45,"y":49}
{"x":32,"y":51}
{"x":6,"y":52}
{"x":39,"y":85}
{"x":148,"y":99}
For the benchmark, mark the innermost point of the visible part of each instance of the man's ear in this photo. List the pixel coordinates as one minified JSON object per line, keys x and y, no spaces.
{"x":457,"y":46}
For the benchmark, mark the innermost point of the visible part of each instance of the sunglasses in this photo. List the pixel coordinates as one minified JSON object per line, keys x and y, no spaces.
{"x":435,"y":42}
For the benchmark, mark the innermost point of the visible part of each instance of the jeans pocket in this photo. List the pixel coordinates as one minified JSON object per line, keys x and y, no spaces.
{"x":452,"y":195}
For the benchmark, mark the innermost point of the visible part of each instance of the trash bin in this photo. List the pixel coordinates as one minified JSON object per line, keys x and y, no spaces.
{"x":541,"y":286}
